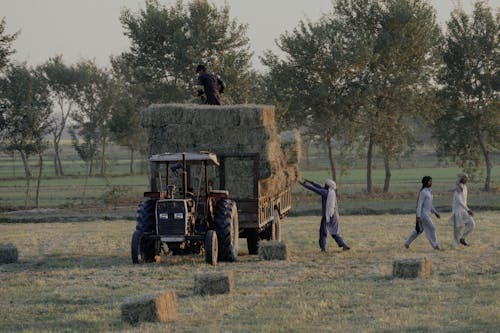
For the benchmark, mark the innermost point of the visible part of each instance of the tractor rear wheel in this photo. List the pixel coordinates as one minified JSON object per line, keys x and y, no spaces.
{"x":226,"y":226}
{"x":211,"y":247}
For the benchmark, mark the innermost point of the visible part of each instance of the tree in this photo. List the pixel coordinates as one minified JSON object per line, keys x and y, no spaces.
{"x":63,"y":83}
{"x":168,"y":43}
{"x":5,"y":44}
{"x":96,"y":98}
{"x":125,"y":122}
{"x":398,"y":77}
{"x":317,"y":84}
{"x":468,"y":130}
{"x":26,"y":109}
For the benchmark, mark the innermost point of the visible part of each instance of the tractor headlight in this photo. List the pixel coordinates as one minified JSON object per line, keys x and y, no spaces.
{"x":178,"y":216}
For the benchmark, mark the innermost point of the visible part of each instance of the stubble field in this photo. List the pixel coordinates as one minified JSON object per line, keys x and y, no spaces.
{"x":73,"y":277}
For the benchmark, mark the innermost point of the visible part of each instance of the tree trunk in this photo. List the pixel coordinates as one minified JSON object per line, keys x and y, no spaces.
{"x":27,"y":171}
{"x":387,"y":179}
{"x":132,"y":161}
{"x":103,"y":167}
{"x":27,"y":193}
{"x":369,"y":161}
{"x":330,"y":159}
{"x":40,"y":168}
{"x":486,"y":156}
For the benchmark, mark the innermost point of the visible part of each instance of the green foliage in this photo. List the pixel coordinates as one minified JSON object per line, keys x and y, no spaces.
{"x":5,"y":44}
{"x":96,"y":98}
{"x":168,"y":43}
{"x":468,"y":129}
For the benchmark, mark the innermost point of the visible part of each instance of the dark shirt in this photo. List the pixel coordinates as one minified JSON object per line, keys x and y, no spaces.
{"x":210,"y":88}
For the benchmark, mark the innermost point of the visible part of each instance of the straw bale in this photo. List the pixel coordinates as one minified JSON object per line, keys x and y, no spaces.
{"x":273,"y":250}
{"x":291,"y":143}
{"x":213,"y":283}
{"x":8,"y":253}
{"x":412,"y":268}
{"x":161,"y":307}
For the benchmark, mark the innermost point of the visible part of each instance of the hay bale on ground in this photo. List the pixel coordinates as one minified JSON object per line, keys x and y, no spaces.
{"x":161,"y":307}
{"x":273,"y":250}
{"x":412,"y":268}
{"x":213,"y":283}
{"x":8,"y":253}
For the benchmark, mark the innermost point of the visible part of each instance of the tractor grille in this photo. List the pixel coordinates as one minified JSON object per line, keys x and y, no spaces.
{"x":171,"y":217}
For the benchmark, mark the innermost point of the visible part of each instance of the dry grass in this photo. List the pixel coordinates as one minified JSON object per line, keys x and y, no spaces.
{"x":75,"y":276}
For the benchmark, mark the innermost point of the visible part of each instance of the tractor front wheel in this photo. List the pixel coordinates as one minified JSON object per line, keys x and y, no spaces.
{"x":142,"y":249}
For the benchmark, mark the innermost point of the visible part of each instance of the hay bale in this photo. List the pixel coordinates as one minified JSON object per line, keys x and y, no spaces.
{"x":8,"y":253}
{"x":412,"y":268}
{"x":273,"y":250}
{"x":213,"y":283}
{"x":161,"y":307}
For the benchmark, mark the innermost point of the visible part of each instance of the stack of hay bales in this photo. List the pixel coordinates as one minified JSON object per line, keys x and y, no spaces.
{"x":412,"y":268}
{"x":8,"y":253}
{"x":213,"y":283}
{"x":161,"y":307}
{"x":242,"y":129}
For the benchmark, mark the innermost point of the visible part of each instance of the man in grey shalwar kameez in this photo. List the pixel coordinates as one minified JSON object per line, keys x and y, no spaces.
{"x":461,"y":217}
{"x":424,"y":211}
{"x":329,"y":212}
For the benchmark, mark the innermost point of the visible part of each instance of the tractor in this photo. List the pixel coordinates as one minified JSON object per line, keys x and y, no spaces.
{"x":176,"y":219}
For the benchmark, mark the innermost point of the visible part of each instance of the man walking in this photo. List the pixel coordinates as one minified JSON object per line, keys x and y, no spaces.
{"x":424,"y":210}
{"x":329,"y":212}
{"x":461,"y":217}
{"x":208,"y":85}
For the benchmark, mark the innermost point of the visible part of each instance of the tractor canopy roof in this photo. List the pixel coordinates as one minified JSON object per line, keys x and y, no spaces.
{"x":192,"y":158}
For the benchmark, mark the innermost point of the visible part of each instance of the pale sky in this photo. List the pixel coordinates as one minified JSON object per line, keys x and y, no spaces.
{"x":90,"y":29}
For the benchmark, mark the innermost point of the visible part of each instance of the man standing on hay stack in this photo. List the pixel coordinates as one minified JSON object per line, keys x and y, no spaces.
{"x":209,"y":85}
{"x":329,"y":212}
{"x":461,"y":217}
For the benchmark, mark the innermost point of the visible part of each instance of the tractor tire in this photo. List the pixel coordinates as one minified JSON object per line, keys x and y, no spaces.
{"x":252,"y":241}
{"x":145,"y":216}
{"x":211,"y":247}
{"x":143,"y":250}
{"x":226,"y":226}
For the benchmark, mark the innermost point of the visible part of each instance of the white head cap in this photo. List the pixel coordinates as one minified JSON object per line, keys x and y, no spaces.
{"x":331,"y":184}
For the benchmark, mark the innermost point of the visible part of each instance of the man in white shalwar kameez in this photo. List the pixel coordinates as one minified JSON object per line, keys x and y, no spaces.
{"x":461,"y":217}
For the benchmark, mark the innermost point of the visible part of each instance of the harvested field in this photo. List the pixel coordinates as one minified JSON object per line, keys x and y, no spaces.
{"x":74,"y":277}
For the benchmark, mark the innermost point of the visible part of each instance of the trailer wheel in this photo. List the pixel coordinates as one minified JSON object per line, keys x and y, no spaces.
{"x":276,"y":226}
{"x":142,"y":250}
{"x":226,"y":226}
{"x":211,"y":247}
{"x":252,"y":241}
{"x":273,"y":229}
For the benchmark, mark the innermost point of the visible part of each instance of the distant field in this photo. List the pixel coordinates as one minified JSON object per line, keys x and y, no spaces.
{"x":119,"y":188}
{"x":73,"y":277}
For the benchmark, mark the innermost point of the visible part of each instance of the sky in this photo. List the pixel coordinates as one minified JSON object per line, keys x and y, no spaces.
{"x":90,"y":29}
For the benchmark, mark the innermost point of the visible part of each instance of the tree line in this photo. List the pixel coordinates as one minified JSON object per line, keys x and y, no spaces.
{"x":369,"y":77}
